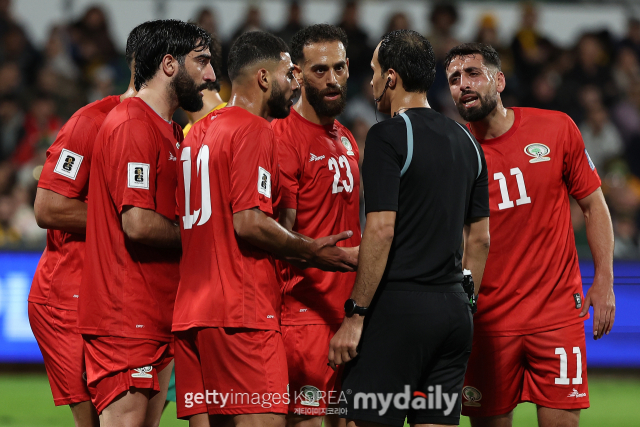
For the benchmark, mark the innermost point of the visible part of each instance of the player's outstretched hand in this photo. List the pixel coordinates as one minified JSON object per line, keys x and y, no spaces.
{"x":329,"y":257}
{"x":603,"y":300}
{"x":342,"y":347}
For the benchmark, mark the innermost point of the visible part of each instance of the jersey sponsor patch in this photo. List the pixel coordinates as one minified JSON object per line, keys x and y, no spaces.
{"x":138,"y":175}
{"x":578,"y":300}
{"x":264,"y":182}
{"x":591,"y":165}
{"x":68,"y":164}
{"x":347,"y":144}
{"x":538,"y":152}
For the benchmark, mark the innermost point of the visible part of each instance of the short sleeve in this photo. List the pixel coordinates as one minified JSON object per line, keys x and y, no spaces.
{"x":579,"y":172}
{"x":479,"y":203}
{"x":380,"y":173}
{"x":252,"y":167}
{"x":290,"y":172}
{"x":135,"y":165}
{"x":66,"y":170}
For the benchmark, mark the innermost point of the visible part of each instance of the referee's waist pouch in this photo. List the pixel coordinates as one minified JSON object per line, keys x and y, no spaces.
{"x":423,"y":287}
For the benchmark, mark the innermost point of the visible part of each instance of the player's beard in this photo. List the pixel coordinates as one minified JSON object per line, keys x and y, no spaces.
{"x":279,"y":105}
{"x":187,"y":91}
{"x":487,"y":105}
{"x":324,"y":108}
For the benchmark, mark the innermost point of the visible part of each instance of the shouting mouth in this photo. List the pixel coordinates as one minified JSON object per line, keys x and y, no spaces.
{"x":470,"y":100}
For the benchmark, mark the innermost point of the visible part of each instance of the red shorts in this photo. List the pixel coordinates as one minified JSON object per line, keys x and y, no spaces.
{"x":546,"y":368}
{"x":230,"y":371}
{"x":314,"y":386}
{"x":116,"y":364}
{"x":61,"y":347}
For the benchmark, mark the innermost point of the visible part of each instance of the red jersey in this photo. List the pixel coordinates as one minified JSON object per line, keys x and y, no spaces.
{"x":128,"y":289}
{"x":66,"y":172}
{"x":319,"y":177}
{"x":227,"y":164}
{"x":532,"y":279}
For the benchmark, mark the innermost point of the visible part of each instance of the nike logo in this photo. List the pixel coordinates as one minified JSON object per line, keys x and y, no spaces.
{"x":315,"y":158}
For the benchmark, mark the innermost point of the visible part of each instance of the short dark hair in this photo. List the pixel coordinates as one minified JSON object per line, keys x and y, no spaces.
{"x":251,"y":48}
{"x":489,"y":54}
{"x":410,"y":54}
{"x":132,"y":44}
{"x":165,"y":37}
{"x":314,"y":34}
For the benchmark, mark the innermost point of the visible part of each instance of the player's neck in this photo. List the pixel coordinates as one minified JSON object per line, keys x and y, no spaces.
{"x":131,"y":90}
{"x":497,"y":123}
{"x":249,"y":100}
{"x":210,"y":100}
{"x":401,"y":101}
{"x":157,"y":96}
{"x":305,"y":109}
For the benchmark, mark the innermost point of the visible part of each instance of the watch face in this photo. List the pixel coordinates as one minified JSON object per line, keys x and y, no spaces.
{"x":349,"y":306}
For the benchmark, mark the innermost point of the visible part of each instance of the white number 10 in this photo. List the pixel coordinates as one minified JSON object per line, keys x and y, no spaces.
{"x":506,"y":203}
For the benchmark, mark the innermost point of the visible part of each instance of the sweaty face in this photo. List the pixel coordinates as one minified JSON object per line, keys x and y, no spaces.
{"x":284,"y":88}
{"x":324,"y":77}
{"x":194,"y":76}
{"x":279,"y":103}
{"x":473,"y":87}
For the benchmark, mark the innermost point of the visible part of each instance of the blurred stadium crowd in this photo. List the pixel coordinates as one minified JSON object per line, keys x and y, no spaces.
{"x":596,"y":82}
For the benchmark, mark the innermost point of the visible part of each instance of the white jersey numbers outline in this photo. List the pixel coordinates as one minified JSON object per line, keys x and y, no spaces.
{"x":563,"y":379}
{"x":506,"y":202}
{"x":202,"y":163}
{"x":347,"y":184}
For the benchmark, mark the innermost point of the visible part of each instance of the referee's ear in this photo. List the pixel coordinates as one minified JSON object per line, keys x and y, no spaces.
{"x":393,"y":78}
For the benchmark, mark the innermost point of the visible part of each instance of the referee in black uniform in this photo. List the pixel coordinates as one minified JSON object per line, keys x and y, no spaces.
{"x":408,"y":326}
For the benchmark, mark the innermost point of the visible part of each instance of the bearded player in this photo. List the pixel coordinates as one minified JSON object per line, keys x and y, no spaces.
{"x":529,"y":339}
{"x":61,"y":208}
{"x":227,"y":313}
{"x":131,"y":269}
{"x":320,"y":184}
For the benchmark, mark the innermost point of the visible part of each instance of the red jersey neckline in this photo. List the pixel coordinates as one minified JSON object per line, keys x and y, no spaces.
{"x":155,"y":113}
{"x":505,"y":136}
{"x":329,"y":128}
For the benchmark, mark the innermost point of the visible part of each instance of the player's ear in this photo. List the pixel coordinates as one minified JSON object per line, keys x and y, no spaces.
{"x":501,"y":82}
{"x":347,"y":67}
{"x":169,"y":65}
{"x":263,"y":76}
{"x":297,"y":73}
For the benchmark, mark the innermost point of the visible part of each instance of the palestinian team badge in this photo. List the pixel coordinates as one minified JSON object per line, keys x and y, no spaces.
{"x":347,"y":145}
{"x":310,"y":395}
{"x":538,"y":152}
{"x":472,"y":396}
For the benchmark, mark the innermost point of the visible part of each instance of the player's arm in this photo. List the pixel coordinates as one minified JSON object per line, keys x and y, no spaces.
{"x":257,"y":228}
{"x":372,"y":261}
{"x":476,"y":248}
{"x":54,"y":211}
{"x":149,"y":228}
{"x":600,"y":238}
{"x":287,"y":218}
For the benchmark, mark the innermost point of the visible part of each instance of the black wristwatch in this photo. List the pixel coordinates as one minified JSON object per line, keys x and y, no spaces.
{"x":351,"y":308}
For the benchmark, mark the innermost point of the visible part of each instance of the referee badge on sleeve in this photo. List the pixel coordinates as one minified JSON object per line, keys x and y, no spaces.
{"x":264,"y":182}
{"x":68,"y":164}
{"x":138,"y":176}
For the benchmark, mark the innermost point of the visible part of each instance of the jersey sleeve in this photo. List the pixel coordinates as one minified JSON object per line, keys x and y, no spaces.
{"x":135,"y":165}
{"x":290,"y":172}
{"x":381,"y":173}
{"x":252,"y":168}
{"x":66,"y":170}
{"x":479,"y":203}
{"x":579,"y":172}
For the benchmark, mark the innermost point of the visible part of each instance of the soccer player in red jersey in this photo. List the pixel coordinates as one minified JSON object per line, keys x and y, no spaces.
{"x":61,"y":208}
{"x":320,"y":187}
{"x":231,"y":367}
{"x":131,"y":270}
{"x":529,"y":341}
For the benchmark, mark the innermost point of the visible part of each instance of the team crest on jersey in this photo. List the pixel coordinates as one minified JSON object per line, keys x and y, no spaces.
{"x":347,"y":145}
{"x":538,"y":152}
{"x":310,"y":395}
{"x":472,"y":396}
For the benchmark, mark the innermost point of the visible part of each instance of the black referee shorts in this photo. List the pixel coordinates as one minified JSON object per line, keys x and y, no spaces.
{"x":411,"y":360}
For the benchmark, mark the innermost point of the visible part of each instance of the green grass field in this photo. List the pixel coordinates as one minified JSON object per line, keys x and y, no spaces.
{"x":25,"y":401}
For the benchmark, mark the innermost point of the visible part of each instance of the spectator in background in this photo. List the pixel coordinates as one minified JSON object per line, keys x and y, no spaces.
{"x":293,"y":24}
{"x":252,"y":22}
{"x":358,"y":51}
{"x":10,"y":79}
{"x":632,"y":39}
{"x":40,"y":129}
{"x":601,"y":138}
{"x":11,"y":127}
{"x":626,"y":69}
{"x":543,"y":92}
{"x":398,"y":21}
{"x":592,"y":67}
{"x":57,"y":55}
{"x":206,"y":19}
{"x":16,"y":48}
{"x":626,"y":242}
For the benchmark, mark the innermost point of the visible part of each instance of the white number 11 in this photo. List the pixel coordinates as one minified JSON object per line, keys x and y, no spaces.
{"x":506,"y":203}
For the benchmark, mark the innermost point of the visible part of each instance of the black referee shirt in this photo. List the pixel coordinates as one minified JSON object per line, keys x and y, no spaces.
{"x":445,"y":184}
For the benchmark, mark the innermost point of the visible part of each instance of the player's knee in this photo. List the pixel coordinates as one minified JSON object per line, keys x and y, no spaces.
{"x":503,"y":420}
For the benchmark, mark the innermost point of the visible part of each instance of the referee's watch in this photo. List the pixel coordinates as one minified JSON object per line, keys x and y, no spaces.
{"x":351,"y":308}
